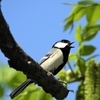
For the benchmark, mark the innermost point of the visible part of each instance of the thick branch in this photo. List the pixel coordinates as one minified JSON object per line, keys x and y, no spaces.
{"x":21,"y":61}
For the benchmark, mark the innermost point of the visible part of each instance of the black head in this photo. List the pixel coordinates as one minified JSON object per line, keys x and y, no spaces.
{"x":65,"y":41}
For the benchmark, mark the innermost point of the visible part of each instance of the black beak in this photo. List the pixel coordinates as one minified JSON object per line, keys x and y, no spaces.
{"x":70,"y":45}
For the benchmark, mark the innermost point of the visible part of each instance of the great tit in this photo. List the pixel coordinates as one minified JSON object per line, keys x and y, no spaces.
{"x":53,"y":62}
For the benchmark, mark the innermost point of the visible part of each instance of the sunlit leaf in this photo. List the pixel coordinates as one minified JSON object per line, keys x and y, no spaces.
{"x":93,"y":13}
{"x":17,"y":79}
{"x":72,"y":56}
{"x":8,"y":73}
{"x":78,"y":33}
{"x":76,"y":9}
{"x":12,"y":77}
{"x":62,"y":75}
{"x":44,"y":96}
{"x":80,"y":13}
{"x":85,"y":50}
{"x":94,"y":28}
{"x":20,"y":97}
{"x":30,"y":93}
{"x":70,"y":76}
{"x":76,"y":14}
{"x":90,"y":31}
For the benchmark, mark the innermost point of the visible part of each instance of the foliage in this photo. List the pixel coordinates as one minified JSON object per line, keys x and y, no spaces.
{"x":14,"y":79}
{"x":92,"y":81}
{"x":86,"y":71}
{"x":87,"y":74}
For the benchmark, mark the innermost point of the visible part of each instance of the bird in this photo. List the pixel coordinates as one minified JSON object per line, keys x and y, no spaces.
{"x":52,"y":62}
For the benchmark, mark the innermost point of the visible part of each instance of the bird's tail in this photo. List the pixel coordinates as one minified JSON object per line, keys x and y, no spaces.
{"x":20,"y":88}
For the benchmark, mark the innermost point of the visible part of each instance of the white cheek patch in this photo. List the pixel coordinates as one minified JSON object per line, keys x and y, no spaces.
{"x":60,"y":45}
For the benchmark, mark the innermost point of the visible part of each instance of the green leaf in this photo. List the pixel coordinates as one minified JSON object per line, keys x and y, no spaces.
{"x":1,"y":91}
{"x":80,"y":92}
{"x":30,"y":93}
{"x":80,"y":13}
{"x":12,"y":77}
{"x":8,"y":73}
{"x":85,"y":50}
{"x":85,"y":2}
{"x":92,"y":28}
{"x":76,"y":9}
{"x":44,"y":96}
{"x":90,"y":31}
{"x":1,"y":76}
{"x":62,"y":75}
{"x":19,"y":97}
{"x":17,"y":79}
{"x":88,"y":36}
{"x":68,"y":4}
{"x":76,"y":14}
{"x":78,"y":33}
{"x":70,"y":76}
{"x":72,"y":56}
{"x":92,"y":81}
{"x":80,"y":62}
{"x":77,"y":72}
{"x":69,"y":22}
{"x":93,"y":13}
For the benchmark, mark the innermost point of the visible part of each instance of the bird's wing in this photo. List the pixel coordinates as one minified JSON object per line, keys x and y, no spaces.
{"x":52,"y":51}
{"x":52,"y":60}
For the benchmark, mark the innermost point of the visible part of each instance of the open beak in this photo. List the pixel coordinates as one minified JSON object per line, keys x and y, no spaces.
{"x":70,"y":45}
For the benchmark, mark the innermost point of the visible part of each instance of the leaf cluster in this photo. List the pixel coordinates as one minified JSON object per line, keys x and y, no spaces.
{"x":81,"y":73}
{"x":14,"y":79}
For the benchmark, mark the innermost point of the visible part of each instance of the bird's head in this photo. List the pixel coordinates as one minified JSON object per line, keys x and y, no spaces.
{"x":63,"y":44}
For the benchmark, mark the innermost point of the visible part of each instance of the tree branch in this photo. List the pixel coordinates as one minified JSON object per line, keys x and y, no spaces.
{"x":21,"y":61}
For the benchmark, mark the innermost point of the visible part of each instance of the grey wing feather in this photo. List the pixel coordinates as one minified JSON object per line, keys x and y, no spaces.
{"x":43,"y":59}
{"x":53,"y":50}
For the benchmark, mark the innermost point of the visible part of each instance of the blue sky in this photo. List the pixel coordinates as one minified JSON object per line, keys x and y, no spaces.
{"x":37,"y":24}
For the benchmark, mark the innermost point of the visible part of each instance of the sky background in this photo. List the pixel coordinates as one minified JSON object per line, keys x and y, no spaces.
{"x":37,"y":24}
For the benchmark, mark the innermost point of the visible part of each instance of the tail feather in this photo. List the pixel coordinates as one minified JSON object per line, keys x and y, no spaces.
{"x":20,"y":88}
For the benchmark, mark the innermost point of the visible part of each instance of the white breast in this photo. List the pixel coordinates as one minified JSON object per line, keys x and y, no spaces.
{"x":53,"y":62}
